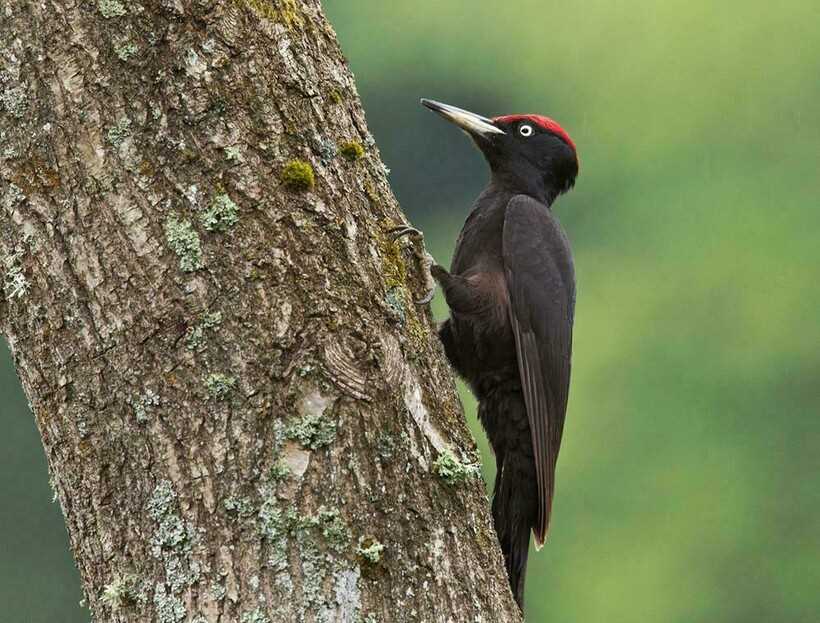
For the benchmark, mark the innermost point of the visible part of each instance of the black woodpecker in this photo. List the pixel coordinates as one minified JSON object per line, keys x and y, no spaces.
{"x":511,"y":293}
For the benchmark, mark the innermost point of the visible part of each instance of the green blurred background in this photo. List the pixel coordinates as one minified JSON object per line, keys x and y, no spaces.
{"x":688,"y":484}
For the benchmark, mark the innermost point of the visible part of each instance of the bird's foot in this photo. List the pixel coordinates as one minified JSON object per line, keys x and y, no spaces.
{"x":430,"y":266}
{"x":404,"y":230}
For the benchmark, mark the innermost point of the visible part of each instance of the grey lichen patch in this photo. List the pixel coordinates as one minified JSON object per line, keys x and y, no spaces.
{"x":118,"y":133}
{"x":326,"y":149}
{"x":172,"y":533}
{"x":15,"y":284}
{"x":453,"y":471}
{"x":241,"y":507}
{"x":370,"y":550}
{"x":120,"y":592}
{"x":320,"y":567}
{"x":273,"y":527}
{"x":194,"y":338}
{"x":221,"y":215}
{"x":162,"y":500}
{"x":191,"y":193}
{"x":254,"y":616}
{"x":13,"y":196}
{"x":143,"y":405}
{"x":218,"y":591}
{"x":212,"y":320}
{"x":312,"y":430}
{"x":168,"y":607}
{"x":385,"y":446}
{"x":314,"y":571}
{"x":172,"y":543}
{"x":279,"y":436}
{"x":111,"y":8}
{"x":329,"y":523}
{"x":279,"y":471}
{"x":180,"y":571}
{"x":298,"y":175}
{"x":184,"y":241}
{"x":9,"y":152}
{"x":196,"y":66}
{"x":195,"y":335}
{"x":125,"y":49}
{"x":272,"y":523}
{"x":333,"y":528}
{"x":219,"y":386}
{"x":232,"y":154}
{"x":351,"y":150}
{"x":15,"y":101}
{"x":82,"y":425}
{"x":395,"y":304}
{"x":276,"y":526}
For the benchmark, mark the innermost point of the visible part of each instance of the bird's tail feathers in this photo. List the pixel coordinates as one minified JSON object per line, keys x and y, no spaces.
{"x":514,"y":510}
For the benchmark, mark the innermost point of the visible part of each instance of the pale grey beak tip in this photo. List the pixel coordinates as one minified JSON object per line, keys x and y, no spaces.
{"x":466,"y":120}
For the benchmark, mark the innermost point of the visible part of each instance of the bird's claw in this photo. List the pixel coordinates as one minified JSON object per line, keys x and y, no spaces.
{"x":404,"y":230}
{"x":425,"y":258}
{"x":425,"y":300}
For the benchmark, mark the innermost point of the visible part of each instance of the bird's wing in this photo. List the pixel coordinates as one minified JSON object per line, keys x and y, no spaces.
{"x":541,"y":283}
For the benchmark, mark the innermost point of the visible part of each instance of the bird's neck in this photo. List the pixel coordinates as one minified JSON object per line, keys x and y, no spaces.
{"x":522,"y":182}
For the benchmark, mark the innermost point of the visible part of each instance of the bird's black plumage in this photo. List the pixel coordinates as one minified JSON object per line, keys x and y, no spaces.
{"x":511,"y":293}
{"x":541,"y":282}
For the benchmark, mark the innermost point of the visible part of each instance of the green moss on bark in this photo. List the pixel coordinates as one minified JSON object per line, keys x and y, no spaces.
{"x":298,"y":175}
{"x":351,"y":150}
{"x":287,"y":12}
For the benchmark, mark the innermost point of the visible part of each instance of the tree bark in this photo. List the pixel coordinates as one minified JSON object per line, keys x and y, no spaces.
{"x":245,"y":416}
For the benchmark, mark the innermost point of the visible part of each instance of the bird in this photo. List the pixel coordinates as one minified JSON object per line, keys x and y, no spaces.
{"x":511,"y":294}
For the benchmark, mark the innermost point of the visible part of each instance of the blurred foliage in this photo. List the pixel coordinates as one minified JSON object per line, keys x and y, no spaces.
{"x":687,"y":483}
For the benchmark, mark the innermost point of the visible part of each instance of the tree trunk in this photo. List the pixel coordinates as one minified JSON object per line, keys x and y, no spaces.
{"x":245,"y":416}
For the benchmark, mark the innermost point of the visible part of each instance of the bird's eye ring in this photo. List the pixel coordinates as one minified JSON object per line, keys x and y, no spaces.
{"x":525,"y":130}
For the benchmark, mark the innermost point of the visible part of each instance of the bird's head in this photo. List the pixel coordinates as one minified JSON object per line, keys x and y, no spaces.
{"x":529,"y":154}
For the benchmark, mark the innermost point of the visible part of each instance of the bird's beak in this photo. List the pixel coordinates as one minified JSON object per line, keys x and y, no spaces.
{"x":473,"y":124}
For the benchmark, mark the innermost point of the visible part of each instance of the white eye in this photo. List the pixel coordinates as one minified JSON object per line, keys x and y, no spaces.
{"x":525,"y":130}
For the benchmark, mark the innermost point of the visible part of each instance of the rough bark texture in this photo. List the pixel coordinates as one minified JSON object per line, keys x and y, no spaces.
{"x":245,"y":417}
